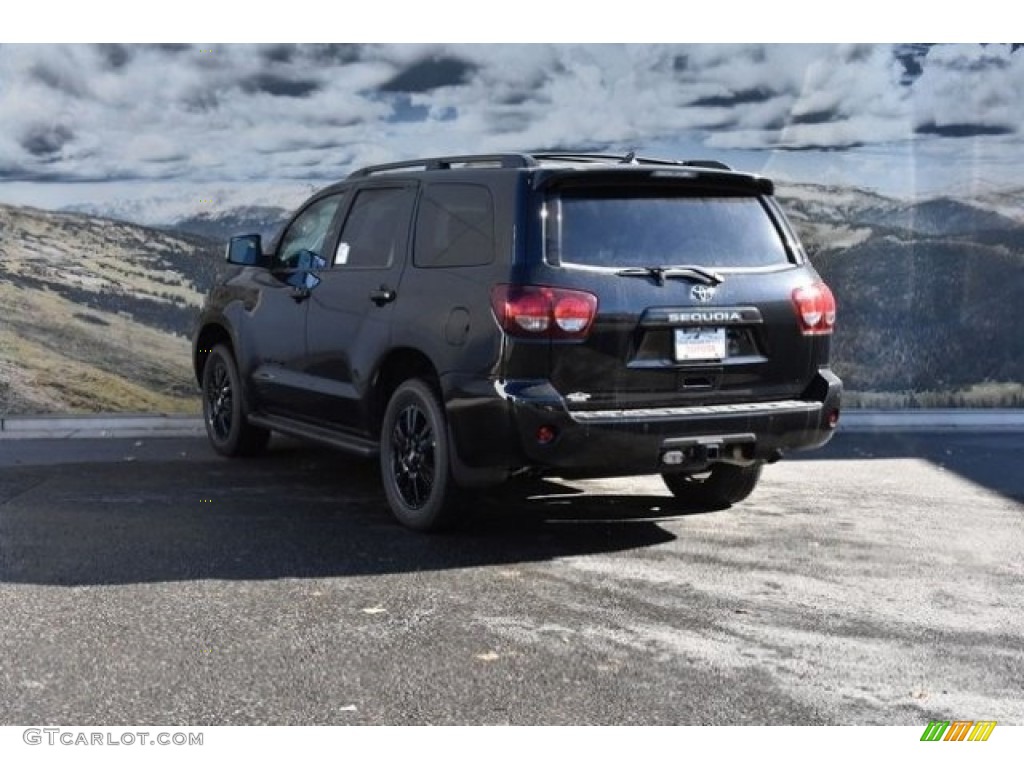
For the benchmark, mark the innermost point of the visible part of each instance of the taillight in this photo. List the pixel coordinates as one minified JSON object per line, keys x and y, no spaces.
{"x":815,"y":308}
{"x":538,"y":311}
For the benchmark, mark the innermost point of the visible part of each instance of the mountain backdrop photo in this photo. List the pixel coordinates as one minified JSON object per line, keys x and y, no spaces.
{"x":125,"y":168}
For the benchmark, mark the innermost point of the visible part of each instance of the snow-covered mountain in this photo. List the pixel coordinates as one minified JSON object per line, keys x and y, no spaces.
{"x":263,"y":220}
{"x":216,"y":213}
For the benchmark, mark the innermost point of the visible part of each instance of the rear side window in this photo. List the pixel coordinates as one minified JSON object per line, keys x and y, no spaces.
{"x":649,"y":228}
{"x":455,"y":226}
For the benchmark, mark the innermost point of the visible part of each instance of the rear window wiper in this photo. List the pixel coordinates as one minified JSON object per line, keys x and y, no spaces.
{"x":661,"y":274}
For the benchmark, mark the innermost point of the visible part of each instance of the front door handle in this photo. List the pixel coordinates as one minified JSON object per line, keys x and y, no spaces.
{"x":300,"y":294}
{"x":382,"y":296}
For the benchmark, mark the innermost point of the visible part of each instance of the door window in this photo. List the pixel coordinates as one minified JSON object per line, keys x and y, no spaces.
{"x":377,"y":228}
{"x":307,"y":233}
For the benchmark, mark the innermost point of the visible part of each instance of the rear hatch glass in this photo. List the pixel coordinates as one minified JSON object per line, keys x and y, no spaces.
{"x":654,"y":227}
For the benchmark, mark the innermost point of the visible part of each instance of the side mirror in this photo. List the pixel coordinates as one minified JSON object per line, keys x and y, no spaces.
{"x":245,"y":250}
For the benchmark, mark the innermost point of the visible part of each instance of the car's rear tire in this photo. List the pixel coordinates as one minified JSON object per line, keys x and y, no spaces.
{"x":415,"y":459}
{"x":224,"y":410}
{"x":725,"y":484}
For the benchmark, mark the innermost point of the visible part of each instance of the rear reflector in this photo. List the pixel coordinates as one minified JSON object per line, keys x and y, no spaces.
{"x":815,"y":308}
{"x":539,"y":311}
{"x":546,"y":434}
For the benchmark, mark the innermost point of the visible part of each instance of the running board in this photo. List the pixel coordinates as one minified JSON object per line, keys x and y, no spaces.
{"x":360,"y":446}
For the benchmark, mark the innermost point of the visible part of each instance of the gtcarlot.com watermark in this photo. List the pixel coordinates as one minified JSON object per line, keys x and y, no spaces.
{"x":71,"y":737}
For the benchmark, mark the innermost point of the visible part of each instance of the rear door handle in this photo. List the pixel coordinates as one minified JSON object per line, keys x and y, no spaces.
{"x":382,"y":296}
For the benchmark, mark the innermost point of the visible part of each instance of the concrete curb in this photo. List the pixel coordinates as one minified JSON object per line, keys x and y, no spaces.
{"x":164,"y":425}
{"x":101,"y":425}
{"x":934,"y":420}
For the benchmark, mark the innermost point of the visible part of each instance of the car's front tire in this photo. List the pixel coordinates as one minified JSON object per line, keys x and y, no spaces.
{"x":224,"y":408}
{"x":723,"y":485}
{"x":415,"y":459}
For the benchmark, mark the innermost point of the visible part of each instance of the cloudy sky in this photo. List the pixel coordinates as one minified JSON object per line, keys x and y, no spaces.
{"x":98,"y":122}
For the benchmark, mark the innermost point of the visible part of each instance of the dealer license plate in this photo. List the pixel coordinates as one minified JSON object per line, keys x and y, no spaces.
{"x":700,"y":344}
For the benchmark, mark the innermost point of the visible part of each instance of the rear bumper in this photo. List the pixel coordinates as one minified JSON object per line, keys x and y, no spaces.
{"x":648,"y":440}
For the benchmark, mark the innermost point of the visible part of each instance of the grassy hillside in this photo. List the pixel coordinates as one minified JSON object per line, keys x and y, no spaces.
{"x":95,"y":314}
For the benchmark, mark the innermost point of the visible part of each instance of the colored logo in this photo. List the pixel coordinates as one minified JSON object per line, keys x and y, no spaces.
{"x":958,"y":730}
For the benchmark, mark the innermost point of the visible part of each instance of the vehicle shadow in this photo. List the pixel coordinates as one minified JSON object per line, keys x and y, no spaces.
{"x":297,"y":513}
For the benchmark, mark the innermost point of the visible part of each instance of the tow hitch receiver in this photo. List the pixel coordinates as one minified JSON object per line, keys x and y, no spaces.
{"x":696,"y":452}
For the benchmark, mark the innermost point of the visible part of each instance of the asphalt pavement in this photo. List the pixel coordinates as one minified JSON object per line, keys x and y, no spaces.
{"x":148,"y":581}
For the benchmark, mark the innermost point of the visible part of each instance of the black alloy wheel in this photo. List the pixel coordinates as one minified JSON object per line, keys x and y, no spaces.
{"x":415,"y":459}
{"x":224,"y":408}
{"x":413,"y":448}
{"x":219,"y":400}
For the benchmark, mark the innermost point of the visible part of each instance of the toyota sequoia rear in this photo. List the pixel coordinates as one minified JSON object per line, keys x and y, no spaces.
{"x":673,"y":325}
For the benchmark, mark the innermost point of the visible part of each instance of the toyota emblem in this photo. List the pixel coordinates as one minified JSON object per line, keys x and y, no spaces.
{"x":703,"y":293}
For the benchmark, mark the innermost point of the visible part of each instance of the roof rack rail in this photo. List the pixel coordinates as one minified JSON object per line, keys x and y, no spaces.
{"x":526,"y":160}
{"x":717,"y":165}
{"x":630,"y":158}
{"x":600,"y":157}
{"x":505,"y":160}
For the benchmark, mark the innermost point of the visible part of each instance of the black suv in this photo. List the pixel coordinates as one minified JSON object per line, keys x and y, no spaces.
{"x":468,"y":319}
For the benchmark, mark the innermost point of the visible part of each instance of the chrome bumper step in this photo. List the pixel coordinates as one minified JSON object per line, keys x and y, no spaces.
{"x":698,"y":411}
